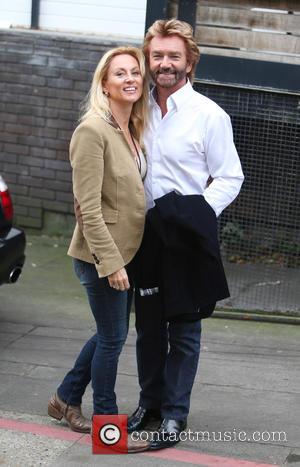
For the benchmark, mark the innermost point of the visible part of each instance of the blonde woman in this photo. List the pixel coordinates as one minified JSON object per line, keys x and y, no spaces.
{"x":108,"y":169}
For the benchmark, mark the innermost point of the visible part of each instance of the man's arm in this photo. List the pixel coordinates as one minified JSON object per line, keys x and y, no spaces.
{"x":223,"y":163}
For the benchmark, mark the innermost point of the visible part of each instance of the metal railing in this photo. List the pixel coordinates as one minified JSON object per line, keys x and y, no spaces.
{"x":260,"y":231}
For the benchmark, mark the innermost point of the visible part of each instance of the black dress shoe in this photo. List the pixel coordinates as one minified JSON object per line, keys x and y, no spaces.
{"x":141,"y":417}
{"x":168,"y":434}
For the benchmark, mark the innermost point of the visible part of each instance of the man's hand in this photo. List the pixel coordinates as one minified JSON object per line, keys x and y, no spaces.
{"x":119,"y":280}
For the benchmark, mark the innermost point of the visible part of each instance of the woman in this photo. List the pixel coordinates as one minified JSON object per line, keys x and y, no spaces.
{"x":108,"y":168}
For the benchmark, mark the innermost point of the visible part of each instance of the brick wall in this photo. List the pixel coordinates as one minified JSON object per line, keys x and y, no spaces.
{"x":43,"y":79}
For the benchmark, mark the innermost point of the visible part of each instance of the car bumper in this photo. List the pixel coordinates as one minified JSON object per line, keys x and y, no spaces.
{"x":12,"y":257}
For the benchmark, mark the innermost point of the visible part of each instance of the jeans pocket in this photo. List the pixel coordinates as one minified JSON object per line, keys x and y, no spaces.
{"x":87,"y":273}
{"x":79,"y":268}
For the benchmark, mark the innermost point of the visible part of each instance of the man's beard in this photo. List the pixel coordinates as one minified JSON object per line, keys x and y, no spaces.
{"x":170,"y":77}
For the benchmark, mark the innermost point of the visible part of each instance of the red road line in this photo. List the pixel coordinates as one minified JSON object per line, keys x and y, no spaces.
{"x":199,"y":458}
{"x":42,"y":430}
{"x":177,"y":455}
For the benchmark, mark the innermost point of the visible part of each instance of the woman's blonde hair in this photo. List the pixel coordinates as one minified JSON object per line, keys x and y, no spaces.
{"x":174,"y":27}
{"x":97,"y":102}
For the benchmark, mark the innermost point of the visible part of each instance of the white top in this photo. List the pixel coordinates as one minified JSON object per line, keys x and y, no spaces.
{"x":141,"y":164}
{"x":186,"y":147}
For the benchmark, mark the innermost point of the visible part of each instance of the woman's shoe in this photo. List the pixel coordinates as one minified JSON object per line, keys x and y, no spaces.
{"x":71,"y":413}
{"x":132,"y":446}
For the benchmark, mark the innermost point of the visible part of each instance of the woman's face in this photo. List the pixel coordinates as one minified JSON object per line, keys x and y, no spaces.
{"x":124,"y":82}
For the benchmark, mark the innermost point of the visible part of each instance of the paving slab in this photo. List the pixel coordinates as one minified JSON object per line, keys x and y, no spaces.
{"x":49,"y":331}
{"x":36,"y":342}
{"x":271,"y":288}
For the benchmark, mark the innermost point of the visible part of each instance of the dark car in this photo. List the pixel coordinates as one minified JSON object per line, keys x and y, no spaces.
{"x":12,"y":240}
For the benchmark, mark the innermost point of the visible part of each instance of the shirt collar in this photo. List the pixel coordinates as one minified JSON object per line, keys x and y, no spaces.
{"x":109,"y":118}
{"x":177,"y":99}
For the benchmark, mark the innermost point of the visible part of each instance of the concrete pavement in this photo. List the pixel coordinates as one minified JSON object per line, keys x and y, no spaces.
{"x":247,"y":383}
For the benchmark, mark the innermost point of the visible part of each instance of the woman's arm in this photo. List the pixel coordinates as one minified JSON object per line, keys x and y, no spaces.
{"x":87,"y":161}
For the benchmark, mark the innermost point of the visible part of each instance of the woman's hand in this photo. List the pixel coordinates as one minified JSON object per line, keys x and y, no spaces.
{"x":119,"y":280}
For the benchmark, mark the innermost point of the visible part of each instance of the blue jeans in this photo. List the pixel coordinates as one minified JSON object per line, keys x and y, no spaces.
{"x":167,"y":358}
{"x":98,"y":359}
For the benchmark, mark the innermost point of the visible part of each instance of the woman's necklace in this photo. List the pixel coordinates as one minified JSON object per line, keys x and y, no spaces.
{"x":137,"y":157}
{"x":132,"y":144}
{"x":134,"y":150}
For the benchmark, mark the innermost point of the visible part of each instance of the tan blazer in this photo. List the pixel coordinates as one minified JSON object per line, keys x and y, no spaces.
{"x":108,"y":196}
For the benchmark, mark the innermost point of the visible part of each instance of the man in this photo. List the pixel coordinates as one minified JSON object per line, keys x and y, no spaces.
{"x":190,"y":151}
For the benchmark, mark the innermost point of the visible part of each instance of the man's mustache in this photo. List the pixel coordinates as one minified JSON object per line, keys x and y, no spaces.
{"x":165,"y":72}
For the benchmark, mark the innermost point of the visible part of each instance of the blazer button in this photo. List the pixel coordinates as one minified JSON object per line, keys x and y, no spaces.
{"x":95,"y":258}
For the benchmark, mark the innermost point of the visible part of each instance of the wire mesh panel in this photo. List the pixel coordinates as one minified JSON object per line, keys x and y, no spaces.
{"x":260,"y":231}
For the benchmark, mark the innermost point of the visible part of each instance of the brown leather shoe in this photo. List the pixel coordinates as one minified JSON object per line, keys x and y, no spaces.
{"x":138,"y":445}
{"x":133,"y":446}
{"x":71,"y":413}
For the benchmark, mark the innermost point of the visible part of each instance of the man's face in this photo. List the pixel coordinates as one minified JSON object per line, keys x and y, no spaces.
{"x":168,"y":62}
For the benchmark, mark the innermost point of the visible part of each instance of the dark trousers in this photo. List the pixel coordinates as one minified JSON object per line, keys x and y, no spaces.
{"x":98,"y":359}
{"x":167,"y":357}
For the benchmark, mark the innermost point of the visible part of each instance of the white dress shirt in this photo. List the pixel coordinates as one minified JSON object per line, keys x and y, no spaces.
{"x":186,"y":147}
